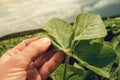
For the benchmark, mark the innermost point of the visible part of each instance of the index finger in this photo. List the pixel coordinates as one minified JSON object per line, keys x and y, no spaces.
{"x":15,"y":50}
{"x":25,"y":43}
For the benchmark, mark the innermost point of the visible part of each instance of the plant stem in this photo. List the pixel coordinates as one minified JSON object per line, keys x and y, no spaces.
{"x":67,"y":59}
{"x":65,"y":68}
{"x":117,"y":69}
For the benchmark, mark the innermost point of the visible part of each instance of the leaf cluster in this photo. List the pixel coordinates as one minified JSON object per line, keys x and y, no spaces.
{"x":84,"y":42}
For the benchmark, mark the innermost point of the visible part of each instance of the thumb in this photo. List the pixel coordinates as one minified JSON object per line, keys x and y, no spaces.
{"x":35,"y":48}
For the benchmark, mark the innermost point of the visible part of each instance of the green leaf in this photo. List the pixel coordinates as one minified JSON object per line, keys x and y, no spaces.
{"x":94,"y":56}
{"x":72,"y":73}
{"x":60,"y":32}
{"x":116,"y":45}
{"x":114,"y":42}
{"x":89,"y":26}
{"x":118,"y":48}
{"x":97,"y":70}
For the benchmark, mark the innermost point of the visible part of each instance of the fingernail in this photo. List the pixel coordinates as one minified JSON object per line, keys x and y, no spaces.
{"x":45,"y":40}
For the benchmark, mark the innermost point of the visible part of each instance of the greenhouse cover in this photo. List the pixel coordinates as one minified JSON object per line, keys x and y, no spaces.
{"x":24,"y":15}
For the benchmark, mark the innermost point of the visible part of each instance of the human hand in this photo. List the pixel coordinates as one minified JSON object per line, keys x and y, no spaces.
{"x":18,"y":64}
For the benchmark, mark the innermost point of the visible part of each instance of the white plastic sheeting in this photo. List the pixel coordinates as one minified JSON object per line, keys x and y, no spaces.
{"x":22,"y":15}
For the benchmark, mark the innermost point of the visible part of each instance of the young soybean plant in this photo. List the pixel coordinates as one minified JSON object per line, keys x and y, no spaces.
{"x":76,"y":42}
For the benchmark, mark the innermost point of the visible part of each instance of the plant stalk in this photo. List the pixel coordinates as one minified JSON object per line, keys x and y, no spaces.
{"x":117,"y":69}
{"x":65,"y":68}
{"x":67,"y":59}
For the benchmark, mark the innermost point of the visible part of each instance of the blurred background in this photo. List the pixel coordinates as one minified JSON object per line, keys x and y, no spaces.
{"x":24,"y":15}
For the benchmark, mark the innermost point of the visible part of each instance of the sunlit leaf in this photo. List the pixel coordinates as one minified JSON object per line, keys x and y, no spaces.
{"x":89,"y":26}
{"x":60,"y":32}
